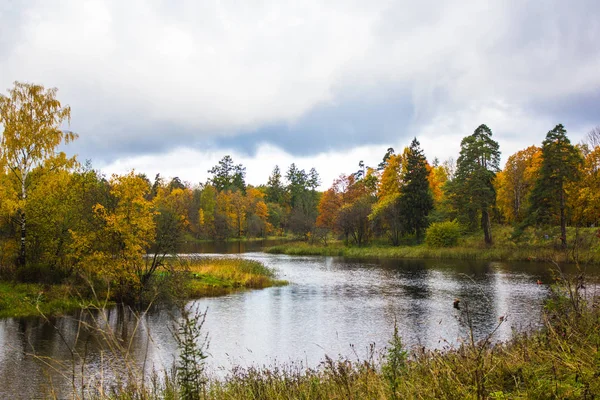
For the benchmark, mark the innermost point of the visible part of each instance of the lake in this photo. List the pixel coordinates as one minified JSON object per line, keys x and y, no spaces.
{"x":333,"y":306}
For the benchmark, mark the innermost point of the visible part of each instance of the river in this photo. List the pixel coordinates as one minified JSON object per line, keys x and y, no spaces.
{"x":333,"y":306}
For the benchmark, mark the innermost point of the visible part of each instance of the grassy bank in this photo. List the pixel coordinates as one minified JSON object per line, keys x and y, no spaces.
{"x":218,"y":276}
{"x":32,"y":299}
{"x":470,"y":247}
{"x":495,"y":253}
{"x":188,"y":278}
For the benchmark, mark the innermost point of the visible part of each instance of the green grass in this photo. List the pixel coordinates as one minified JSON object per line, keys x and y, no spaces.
{"x":531,"y":247}
{"x":217,"y":276}
{"x":32,"y":299}
{"x":190,"y":278}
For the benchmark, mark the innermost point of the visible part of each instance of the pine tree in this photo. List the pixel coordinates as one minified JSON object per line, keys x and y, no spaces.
{"x":473,"y":190}
{"x":416,"y":200}
{"x":561,"y":163}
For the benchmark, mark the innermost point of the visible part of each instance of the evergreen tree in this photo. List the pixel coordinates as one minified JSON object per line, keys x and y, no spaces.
{"x":561,"y":163}
{"x":228,"y":176}
{"x":472,"y":188}
{"x":416,"y":200}
{"x":275,"y":188}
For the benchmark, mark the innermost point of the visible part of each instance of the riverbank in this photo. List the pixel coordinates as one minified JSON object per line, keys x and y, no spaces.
{"x":191,"y":278}
{"x":561,"y":360}
{"x":424,"y":252}
{"x":470,"y":247}
{"x":35,"y":299}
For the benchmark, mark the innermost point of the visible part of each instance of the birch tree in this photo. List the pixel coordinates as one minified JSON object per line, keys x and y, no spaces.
{"x":31,"y":118}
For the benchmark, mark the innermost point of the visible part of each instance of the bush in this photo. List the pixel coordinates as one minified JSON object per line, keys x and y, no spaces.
{"x":443,"y":234}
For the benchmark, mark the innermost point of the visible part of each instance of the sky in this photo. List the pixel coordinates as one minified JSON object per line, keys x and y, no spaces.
{"x":171,"y":87}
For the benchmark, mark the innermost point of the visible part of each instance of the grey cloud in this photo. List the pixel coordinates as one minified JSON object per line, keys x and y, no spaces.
{"x":307,"y":79}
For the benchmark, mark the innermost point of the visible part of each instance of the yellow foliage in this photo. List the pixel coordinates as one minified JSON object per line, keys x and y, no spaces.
{"x":116,"y":251}
{"x":391,"y":177}
{"x":515,"y":182}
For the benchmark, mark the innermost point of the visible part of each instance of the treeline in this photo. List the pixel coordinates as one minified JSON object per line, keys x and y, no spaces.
{"x":555,"y":185}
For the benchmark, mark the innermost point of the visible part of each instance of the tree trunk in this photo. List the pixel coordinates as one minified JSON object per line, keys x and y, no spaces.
{"x":486,"y":225}
{"x":22,"y":252}
{"x":563,"y":222}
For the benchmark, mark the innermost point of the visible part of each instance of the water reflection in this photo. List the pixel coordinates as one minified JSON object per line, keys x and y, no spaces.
{"x":331,"y":304}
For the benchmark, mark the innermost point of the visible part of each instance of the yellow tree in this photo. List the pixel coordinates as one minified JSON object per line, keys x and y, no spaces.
{"x":257,"y":213}
{"x":126,"y":231}
{"x":438,"y":176}
{"x":52,"y":209}
{"x":391,"y":177}
{"x":237,"y":211}
{"x":386,"y":213}
{"x":171,"y":207}
{"x":515,"y":182}
{"x":584,"y":195}
{"x":31,"y":117}
{"x":329,"y":206}
{"x":206,"y":213}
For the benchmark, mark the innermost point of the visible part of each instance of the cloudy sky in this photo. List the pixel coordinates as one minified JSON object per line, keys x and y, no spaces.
{"x":172,"y":86}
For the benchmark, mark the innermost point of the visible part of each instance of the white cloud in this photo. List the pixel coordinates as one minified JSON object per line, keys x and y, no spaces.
{"x":154,"y":76}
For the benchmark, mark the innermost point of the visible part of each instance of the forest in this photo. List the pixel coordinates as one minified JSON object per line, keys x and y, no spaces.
{"x":61,"y":218}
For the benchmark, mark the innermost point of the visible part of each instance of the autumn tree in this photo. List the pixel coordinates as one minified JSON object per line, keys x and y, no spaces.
{"x":415,"y":201}
{"x":390,"y":181}
{"x":329,"y":206}
{"x":257,"y":213}
{"x":126,"y":230}
{"x":207,"y":211}
{"x":357,"y":198}
{"x":31,"y":117}
{"x":59,"y":203}
{"x":584,"y":196}
{"x":560,"y":166}
{"x":386,"y":213}
{"x":472,"y":188}
{"x":515,"y":182}
{"x":170,"y":207}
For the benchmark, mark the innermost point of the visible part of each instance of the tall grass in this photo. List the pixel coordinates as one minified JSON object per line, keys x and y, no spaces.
{"x":561,"y":360}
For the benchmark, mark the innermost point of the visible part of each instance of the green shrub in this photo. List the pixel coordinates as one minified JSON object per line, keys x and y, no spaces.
{"x":443,"y":234}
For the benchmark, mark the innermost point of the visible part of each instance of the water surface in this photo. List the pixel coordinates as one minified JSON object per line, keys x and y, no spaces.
{"x":333,"y":306}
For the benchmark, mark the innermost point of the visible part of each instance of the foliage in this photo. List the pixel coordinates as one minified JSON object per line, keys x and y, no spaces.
{"x":560,"y":166}
{"x":192,"y":345}
{"x":415,"y":201}
{"x":395,"y":363}
{"x":228,"y":176}
{"x":31,"y":117}
{"x":584,"y":198}
{"x":126,"y":231}
{"x":443,"y":234}
{"x":472,"y":188}
{"x":275,"y":189}
{"x":515,"y":182}
{"x":328,"y":209}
